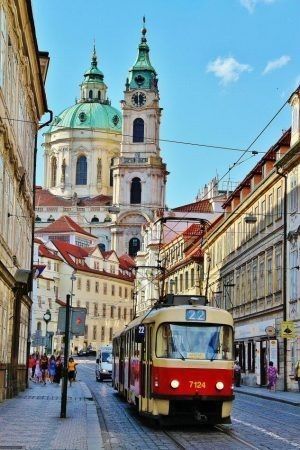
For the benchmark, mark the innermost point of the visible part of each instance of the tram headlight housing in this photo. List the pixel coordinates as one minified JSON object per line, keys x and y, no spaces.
{"x":220,"y":385}
{"x":174,"y":384}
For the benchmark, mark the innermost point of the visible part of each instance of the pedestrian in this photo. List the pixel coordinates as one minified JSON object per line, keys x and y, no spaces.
{"x":44,"y":367}
{"x":297,"y":373}
{"x":31,"y":366}
{"x":52,"y":368}
{"x":58,"y":370}
{"x":38,"y":372}
{"x":71,"y":370}
{"x":237,"y":373}
{"x":272,"y":376}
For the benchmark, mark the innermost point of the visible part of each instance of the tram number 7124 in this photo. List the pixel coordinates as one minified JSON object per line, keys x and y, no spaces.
{"x":197,"y":384}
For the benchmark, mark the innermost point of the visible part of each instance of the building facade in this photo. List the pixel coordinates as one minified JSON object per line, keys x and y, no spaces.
{"x":97,"y":280}
{"x":244,"y":260}
{"x":22,"y":104}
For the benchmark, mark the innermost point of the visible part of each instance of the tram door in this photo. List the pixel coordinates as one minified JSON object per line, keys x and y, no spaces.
{"x":147,"y":367}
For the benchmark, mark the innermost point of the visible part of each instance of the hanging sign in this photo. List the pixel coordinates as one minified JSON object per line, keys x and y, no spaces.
{"x":270,"y":331}
{"x":287,"y":329}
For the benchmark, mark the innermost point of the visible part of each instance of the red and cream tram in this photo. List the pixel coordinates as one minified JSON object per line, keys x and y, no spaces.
{"x":177,"y":361}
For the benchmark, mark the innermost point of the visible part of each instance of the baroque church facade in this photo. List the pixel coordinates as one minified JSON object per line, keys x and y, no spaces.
{"x":103,"y":168}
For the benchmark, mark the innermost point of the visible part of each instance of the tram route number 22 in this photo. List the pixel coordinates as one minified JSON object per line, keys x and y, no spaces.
{"x":198,"y":384}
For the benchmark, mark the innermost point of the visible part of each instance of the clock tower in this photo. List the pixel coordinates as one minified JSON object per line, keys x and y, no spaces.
{"x":139,"y":174}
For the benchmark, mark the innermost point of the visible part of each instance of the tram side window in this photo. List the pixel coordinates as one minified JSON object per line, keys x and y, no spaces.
{"x":116,"y":347}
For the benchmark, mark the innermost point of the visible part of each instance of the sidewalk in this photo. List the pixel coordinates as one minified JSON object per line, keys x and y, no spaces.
{"x":32,"y":420}
{"x":292,"y":398}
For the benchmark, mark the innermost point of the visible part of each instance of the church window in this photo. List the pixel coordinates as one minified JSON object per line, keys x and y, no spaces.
{"x":135,"y":191}
{"x":99,"y":95}
{"x":134,"y":246}
{"x":90,"y":94}
{"x":138,"y":130}
{"x":81,"y":170}
{"x":53,"y":171}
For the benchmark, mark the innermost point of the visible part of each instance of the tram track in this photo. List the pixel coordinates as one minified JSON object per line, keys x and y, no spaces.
{"x":119,"y":421}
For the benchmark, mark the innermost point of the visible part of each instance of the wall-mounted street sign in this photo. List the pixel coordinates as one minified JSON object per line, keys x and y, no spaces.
{"x":287,"y":329}
{"x":270,"y":331}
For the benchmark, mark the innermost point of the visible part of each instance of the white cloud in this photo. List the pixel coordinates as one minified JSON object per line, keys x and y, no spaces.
{"x":227,"y":69}
{"x":276,"y":64}
{"x":251,"y":4}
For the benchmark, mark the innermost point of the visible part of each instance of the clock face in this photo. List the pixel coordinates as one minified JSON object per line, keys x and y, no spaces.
{"x":138,"y":99}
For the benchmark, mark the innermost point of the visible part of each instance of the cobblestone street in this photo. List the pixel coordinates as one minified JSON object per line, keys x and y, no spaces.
{"x":31,"y":421}
{"x":256,"y":423}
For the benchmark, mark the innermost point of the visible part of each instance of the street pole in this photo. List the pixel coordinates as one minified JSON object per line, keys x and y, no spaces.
{"x":63,"y":409}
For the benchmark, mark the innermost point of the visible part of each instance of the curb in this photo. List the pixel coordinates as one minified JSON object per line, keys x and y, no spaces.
{"x":94,"y":436}
{"x":275,"y":399}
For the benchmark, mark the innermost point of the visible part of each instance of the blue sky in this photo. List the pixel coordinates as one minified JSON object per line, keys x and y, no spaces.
{"x":225,"y":67}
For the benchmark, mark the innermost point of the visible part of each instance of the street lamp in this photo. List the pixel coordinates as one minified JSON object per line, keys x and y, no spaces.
{"x":72,"y":278}
{"x":47,"y":319}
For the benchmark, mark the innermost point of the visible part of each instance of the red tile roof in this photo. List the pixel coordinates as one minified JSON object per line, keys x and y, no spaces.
{"x":45,"y":198}
{"x":47,"y":253}
{"x":196,"y":229}
{"x":126,"y":262}
{"x":199,"y":206}
{"x":64,"y":225}
{"x":70,"y":251}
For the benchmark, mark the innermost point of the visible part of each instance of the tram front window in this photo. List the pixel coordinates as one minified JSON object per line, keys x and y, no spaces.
{"x":194,"y":341}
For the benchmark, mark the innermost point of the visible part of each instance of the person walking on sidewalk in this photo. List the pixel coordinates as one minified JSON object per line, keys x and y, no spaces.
{"x":237,"y":373}
{"x":38,"y":372}
{"x":52,"y":368}
{"x":272,"y":376}
{"x":44,"y":367}
{"x":297,"y":373}
{"x":71,"y":370}
{"x":58,"y":370}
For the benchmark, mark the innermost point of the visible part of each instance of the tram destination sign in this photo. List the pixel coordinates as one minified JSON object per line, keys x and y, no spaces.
{"x":195,"y":314}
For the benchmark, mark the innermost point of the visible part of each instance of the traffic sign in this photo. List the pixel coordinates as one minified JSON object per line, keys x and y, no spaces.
{"x":287,"y":329}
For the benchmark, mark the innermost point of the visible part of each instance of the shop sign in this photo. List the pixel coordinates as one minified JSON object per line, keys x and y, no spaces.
{"x":253,"y":329}
{"x":287,"y":329}
{"x":270,"y":331}
{"x":273,"y":351}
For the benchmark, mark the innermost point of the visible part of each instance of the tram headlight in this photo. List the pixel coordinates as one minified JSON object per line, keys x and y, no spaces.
{"x":219,"y":385}
{"x":174,"y":384}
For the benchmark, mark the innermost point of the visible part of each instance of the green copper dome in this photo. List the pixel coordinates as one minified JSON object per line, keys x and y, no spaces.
{"x":93,"y":110}
{"x":88,"y":116}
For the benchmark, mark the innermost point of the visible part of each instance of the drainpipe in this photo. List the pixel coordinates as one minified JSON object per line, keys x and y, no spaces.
{"x":284,"y":280}
{"x":32,"y":230}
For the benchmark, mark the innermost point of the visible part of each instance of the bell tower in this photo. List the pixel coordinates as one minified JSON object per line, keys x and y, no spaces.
{"x":139,"y":174}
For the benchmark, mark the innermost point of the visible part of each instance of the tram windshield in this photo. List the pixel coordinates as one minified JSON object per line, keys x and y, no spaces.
{"x":194,"y":341}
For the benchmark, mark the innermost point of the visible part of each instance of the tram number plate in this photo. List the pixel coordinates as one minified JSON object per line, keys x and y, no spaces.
{"x":195,"y":314}
{"x":198,"y":384}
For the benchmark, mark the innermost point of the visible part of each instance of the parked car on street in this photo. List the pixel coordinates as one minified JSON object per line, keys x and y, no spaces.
{"x":104,"y":363}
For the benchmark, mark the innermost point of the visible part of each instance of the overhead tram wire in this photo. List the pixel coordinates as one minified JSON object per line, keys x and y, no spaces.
{"x":244,"y":152}
{"x":172,"y":141}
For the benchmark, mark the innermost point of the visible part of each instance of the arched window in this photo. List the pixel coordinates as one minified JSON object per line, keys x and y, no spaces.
{"x":135,"y":191}
{"x":39,"y":326}
{"x":134,"y":246}
{"x":53,"y":171}
{"x":90,"y":94}
{"x":99,"y":95}
{"x":81,"y":170}
{"x":138,"y":130}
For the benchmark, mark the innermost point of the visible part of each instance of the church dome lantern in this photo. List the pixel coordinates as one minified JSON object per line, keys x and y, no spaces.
{"x":142,"y":75}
